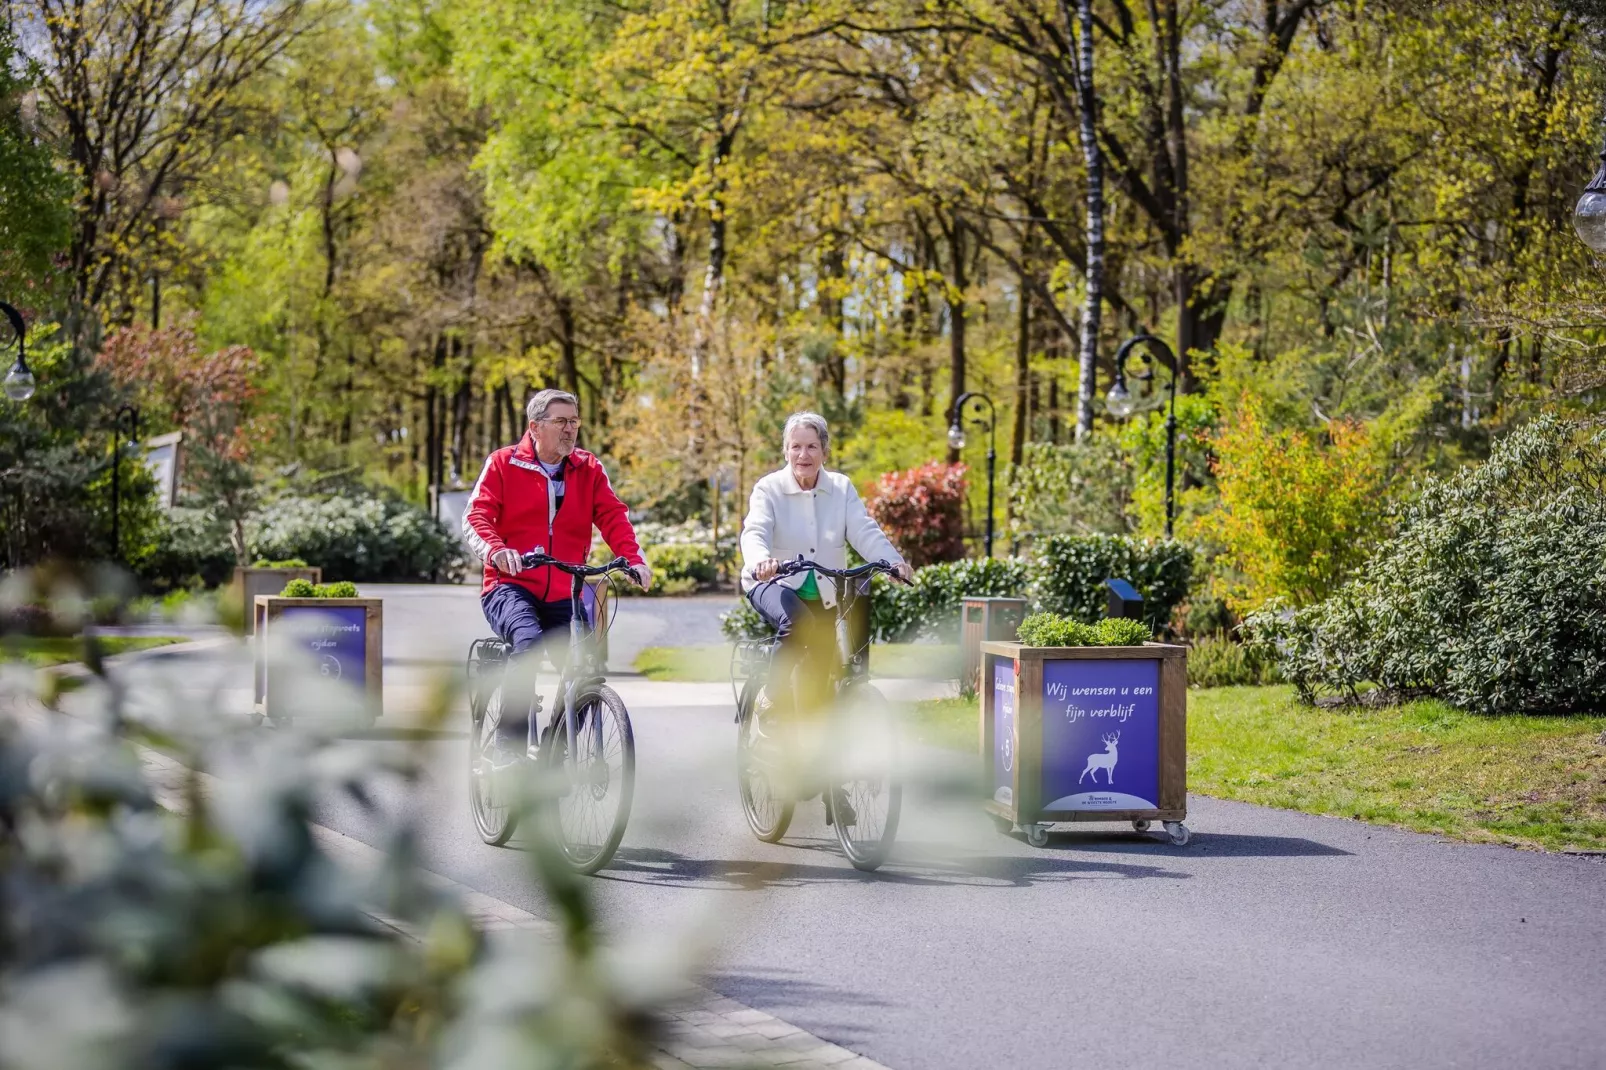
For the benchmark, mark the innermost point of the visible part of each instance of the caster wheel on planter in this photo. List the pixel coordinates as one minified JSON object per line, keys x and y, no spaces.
{"x":1037,"y":835}
{"x":1177,"y":831}
{"x":1140,"y":825}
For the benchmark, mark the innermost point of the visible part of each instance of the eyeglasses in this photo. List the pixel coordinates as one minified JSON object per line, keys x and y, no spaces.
{"x":569,"y":423}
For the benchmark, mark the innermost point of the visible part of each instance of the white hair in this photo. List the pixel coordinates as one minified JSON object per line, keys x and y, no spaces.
{"x":813,"y":421}
{"x":544,"y":400}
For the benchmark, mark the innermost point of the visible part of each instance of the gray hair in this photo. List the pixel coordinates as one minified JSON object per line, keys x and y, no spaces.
{"x":544,"y":400}
{"x":811,"y":420}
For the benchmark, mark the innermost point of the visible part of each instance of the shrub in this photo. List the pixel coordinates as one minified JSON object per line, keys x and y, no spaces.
{"x":191,"y":549}
{"x":1218,"y":661}
{"x":292,"y":562}
{"x":299,"y":588}
{"x":929,"y":607}
{"x":1296,"y":517}
{"x":743,"y":622}
{"x":364,"y":538}
{"x":922,"y":510}
{"x":1051,"y":629}
{"x":1491,"y":596}
{"x":1068,"y":574}
{"x":1063,"y":489}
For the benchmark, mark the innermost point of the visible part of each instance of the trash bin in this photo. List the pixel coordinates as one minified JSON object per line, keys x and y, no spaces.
{"x":1095,"y":733}
{"x":982,"y":619}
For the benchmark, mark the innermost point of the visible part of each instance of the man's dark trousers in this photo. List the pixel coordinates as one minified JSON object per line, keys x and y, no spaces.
{"x":530,"y":626}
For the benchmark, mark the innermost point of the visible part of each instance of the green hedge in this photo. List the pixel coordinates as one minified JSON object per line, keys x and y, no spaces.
{"x":929,"y":608}
{"x":366,"y":539}
{"x":1066,"y":576}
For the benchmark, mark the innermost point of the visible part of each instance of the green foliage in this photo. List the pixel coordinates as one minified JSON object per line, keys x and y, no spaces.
{"x":1297,"y":515}
{"x":929,"y":607}
{"x":289,"y":562}
{"x":190,"y":548}
{"x":1219,"y":661}
{"x":55,"y":464}
{"x":304,"y":588}
{"x":1491,"y":596}
{"x":35,"y":194}
{"x":1068,"y":574}
{"x":367,"y":537}
{"x":742,"y":621}
{"x":687,"y":564}
{"x":1079,"y":489}
{"x":1051,"y":629}
{"x":200,"y":920}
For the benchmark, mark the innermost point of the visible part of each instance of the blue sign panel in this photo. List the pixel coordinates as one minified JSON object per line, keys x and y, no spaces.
{"x":1101,"y":735}
{"x":1003,"y":731}
{"x":337,"y":637}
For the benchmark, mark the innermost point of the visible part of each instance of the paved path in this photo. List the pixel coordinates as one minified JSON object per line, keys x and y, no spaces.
{"x":1274,"y":939}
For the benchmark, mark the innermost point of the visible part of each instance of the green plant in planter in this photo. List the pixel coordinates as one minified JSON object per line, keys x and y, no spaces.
{"x":299,"y":588}
{"x":1052,"y":629}
{"x":289,"y":562}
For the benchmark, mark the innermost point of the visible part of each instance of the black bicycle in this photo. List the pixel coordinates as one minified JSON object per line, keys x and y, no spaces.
{"x":862,"y":788}
{"x":587,"y":754}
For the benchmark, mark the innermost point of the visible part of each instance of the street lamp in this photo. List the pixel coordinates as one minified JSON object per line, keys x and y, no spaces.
{"x":956,"y":441}
{"x":1589,"y":214}
{"x":19,"y":383}
{"x":133,"y":435}
{"x":1121,"y":403}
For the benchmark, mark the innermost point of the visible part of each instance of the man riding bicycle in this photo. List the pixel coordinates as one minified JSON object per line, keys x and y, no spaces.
{"x":802,"y":509}
{"x":542,"y":494}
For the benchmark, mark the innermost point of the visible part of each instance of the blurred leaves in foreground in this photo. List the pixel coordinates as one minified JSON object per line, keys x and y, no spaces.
{"x":160,"y":914}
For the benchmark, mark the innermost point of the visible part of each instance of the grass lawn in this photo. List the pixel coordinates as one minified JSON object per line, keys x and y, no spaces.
{"x":1523,"y":781}
{"x":42,"y":651}
{"x":711,"y":661}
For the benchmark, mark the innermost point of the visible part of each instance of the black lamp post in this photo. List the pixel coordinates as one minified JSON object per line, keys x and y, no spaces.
{"x":1121,"y":403}
{"x":956,"y":439}
{"x":19,"y":383}
{"x":133,"y":434}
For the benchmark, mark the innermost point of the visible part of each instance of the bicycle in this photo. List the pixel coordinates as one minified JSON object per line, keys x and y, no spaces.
{"x":587,"y":750}
{"x":864,"y":794}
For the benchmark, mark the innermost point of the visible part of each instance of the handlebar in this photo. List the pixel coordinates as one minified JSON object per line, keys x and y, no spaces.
{"x":792,"y":568}
{"x":535,"y":559}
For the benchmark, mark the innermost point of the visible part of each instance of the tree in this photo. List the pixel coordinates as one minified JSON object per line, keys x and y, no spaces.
{"x":140,"y":96}
{"x":208,"y":396}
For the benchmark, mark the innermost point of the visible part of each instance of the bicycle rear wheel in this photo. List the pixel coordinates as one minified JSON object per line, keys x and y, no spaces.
{"x":767,"y":808}
{"x":587,"y":799}
{"x":495,"y":816}
{"x":866,"y":796}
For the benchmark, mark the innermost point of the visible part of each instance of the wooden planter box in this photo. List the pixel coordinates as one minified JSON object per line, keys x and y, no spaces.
{"x":1085,"y":733}
{"x":251,"y":582}
{"x":344,"y":642}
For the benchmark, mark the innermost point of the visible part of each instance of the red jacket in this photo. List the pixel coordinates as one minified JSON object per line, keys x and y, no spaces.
{"x":511,"y":509}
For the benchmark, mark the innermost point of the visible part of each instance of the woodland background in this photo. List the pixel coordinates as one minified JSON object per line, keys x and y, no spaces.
{"x":341,"y":243}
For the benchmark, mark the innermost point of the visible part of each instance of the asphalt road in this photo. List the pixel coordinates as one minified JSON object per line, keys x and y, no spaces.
{"x":1273,"y":939}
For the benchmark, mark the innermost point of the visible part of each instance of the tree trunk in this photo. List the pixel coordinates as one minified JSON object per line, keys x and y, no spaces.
{"x":954,"y":295}
{"x":1093,"y":158}
{"x":1023,"y":375}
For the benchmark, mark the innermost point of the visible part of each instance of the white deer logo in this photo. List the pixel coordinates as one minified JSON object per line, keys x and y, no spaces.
{"x":1105,"y":761}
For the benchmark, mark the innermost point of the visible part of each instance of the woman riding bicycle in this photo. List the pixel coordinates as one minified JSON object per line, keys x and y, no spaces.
{"x":803,"y":509}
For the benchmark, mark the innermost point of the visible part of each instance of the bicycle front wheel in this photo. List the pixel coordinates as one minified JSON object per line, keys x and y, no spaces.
{"x":767,"y":807}
{"x":866,"y":794}
{"x":590,"y":791}
{"x":495,"y":815}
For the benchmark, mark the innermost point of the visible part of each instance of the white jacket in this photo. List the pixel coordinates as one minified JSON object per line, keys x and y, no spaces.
{"x":784,"y":520}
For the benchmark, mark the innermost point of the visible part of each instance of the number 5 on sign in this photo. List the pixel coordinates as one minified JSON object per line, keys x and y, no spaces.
{"x":329,"y":666}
